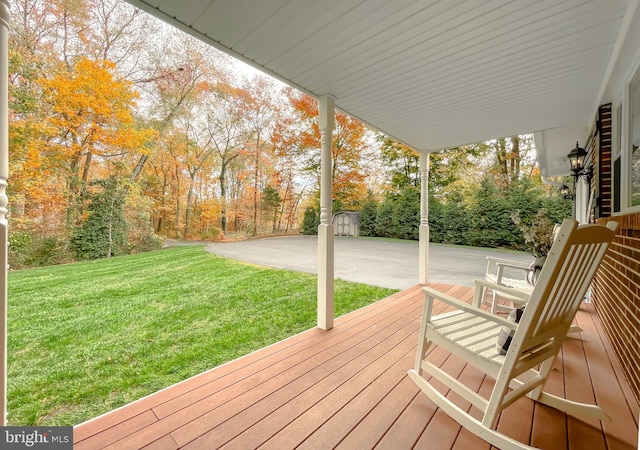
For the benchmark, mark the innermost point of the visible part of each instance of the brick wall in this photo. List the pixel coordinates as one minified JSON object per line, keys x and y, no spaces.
{"x":616,"y":286}
{"x":616,"y":295}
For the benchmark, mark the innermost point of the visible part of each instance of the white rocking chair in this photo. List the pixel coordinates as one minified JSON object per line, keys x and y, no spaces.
{"x":471,"y":334}
{"x":496,"y":273}
{"x":501,"y":271}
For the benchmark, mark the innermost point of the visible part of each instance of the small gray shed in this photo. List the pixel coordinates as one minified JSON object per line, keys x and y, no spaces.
{"x":346,"y":223}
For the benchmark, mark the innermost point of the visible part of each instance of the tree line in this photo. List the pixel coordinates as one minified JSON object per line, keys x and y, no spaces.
{"x":124,"y":131}
{"x":486,"y":195}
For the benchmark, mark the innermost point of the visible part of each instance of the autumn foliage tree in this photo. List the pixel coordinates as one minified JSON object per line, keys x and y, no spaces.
{"x":72,"y":117}
{"x":101,"y":92}
{"x":228,"y":135}
{"x":90,"y":127}
{"x":349,"y":145}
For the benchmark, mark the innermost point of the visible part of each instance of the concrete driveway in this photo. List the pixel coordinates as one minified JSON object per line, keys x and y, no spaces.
{"x":392,"y":264}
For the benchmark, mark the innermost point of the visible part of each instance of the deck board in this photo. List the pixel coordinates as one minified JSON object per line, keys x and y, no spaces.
{"x":347,"y":388}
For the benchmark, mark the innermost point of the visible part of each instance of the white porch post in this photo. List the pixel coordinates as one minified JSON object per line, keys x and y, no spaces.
{"x":4,"y":175}
{"x":423,"y":247}
{"x":325,"y":229}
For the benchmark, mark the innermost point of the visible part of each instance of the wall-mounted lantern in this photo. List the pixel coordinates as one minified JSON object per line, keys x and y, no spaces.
{"x":576,"y":159}
{"x":566,"y":192}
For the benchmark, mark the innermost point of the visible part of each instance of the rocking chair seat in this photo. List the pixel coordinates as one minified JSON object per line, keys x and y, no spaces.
{"x":473,"y":333}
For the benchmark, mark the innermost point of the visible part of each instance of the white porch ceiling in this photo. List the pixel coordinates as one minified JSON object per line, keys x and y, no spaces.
{"x":431,"y":73}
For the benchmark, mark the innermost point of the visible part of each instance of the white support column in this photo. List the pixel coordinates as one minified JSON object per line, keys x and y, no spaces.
{"x":423,"y":247}
{"x":325,"y":229}
{"x":4,"y":201}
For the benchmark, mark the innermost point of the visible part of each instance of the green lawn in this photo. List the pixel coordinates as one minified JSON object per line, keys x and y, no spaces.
{"x":86,"y":338}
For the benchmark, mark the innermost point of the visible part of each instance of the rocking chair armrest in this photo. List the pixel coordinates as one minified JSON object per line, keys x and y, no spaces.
{"x":432,"y":293}
{"x":524,"y":296}
{"x":508,"y":262}
{"x":526,"y":268}
{"x":499,"y":275}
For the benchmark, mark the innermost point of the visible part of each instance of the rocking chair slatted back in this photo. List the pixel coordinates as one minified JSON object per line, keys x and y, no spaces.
{"x":563,"y":282}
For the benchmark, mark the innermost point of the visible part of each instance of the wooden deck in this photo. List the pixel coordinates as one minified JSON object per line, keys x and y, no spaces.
{"x":347,"y":388}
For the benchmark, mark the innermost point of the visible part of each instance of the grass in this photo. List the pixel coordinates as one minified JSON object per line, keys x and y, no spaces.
{"x":88,"y":337}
